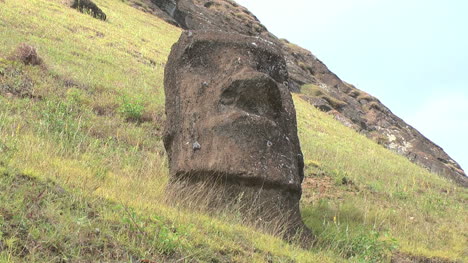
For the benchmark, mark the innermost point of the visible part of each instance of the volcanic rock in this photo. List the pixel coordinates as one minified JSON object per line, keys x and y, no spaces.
{"x":89,"y":7}
{"x":231,"y":126}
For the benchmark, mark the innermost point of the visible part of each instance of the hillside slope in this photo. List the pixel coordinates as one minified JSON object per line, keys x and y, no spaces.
{"x":319,"y":86}
{"x":83,"y":169}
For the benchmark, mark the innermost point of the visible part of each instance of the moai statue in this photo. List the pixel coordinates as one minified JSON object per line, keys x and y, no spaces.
{"x":231,"y":126}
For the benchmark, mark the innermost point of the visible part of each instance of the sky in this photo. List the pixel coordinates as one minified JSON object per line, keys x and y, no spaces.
{"x":410,"y":54}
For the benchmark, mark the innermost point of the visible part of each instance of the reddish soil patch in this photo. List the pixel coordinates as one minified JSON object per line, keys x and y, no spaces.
{"x":319,"y":187}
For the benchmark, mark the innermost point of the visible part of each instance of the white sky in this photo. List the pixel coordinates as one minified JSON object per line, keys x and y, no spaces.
{"x":411,"y":54}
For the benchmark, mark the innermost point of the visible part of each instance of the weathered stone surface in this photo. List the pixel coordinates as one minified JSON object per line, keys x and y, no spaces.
{"x":231,"y":123}
{"x":360,"y":111}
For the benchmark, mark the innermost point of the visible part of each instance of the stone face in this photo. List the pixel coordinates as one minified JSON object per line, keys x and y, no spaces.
{"x":231,"y":123}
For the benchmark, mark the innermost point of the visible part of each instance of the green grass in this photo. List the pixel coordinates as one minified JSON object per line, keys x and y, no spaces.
{"x":42,"y":222}
{"x":388,"y":194}
{"x":81,"y":149}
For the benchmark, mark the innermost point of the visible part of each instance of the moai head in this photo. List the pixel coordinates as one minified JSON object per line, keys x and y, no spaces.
{"x":231,"y":118}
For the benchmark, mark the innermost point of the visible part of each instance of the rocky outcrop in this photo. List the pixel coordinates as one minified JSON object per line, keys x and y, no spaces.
{"x":366,"y":114}
{"x":87,"y":6}
{"x":349,"y":105}
{"x":231,"y":126}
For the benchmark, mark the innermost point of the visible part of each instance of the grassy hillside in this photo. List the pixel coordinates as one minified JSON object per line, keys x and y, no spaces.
{"x":83,"y":169}
{"x":364,"y":188}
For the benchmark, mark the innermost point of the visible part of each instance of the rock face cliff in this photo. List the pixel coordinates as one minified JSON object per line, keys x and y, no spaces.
{"x":317,"y":84}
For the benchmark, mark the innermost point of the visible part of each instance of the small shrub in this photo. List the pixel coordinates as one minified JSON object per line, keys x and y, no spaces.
{"x":132,"y":109}
{"x":381,"y":139}
{"x":317,"y":91}
{"x":26,"y":54}
{"x":365,"y":96}
{"x":374,"y":105}
{"x":313,"y":168}
{"x":312,"y":90}
{"x":335,"y":103}
{"x":354,"y":93}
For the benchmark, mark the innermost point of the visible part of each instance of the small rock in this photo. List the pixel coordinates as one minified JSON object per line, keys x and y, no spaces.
{"x":196,"y":146}
{"x":269,"y":144}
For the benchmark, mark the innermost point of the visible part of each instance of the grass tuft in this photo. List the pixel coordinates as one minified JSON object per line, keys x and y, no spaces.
{"x":26,"y":54}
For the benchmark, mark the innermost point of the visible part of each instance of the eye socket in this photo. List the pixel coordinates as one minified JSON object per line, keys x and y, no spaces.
{"x":259,"y":95}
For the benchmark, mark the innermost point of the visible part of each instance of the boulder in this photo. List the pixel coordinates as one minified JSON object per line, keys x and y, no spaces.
{"x":231,"y":127}
{"x":87,"y":6}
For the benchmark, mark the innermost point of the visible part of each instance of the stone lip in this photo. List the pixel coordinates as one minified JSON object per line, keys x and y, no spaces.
{"x":355,"y":108}
{"x":231,"y":120}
